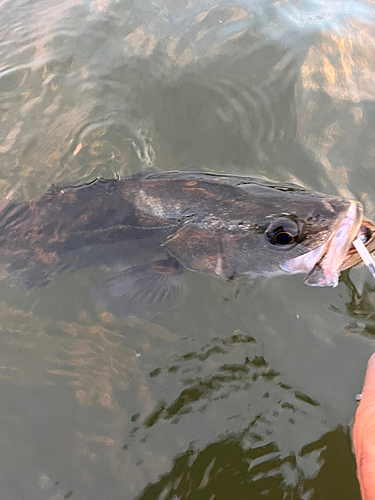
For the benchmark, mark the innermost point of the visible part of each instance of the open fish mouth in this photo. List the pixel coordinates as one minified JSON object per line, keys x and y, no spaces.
{"x":324,"y":264}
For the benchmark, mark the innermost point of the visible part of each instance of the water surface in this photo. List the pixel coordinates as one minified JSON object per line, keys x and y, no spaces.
{"x":248,"y":388}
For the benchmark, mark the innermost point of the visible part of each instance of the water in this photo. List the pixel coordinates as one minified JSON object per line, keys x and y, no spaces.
{"x":247,"y":389}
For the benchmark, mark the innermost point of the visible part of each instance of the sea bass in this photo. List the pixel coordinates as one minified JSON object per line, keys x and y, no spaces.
{"x":154,"y":226}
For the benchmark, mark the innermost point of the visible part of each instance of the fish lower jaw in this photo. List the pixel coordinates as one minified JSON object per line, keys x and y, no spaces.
{"x":324,"y":264}
{"x":304,"y":263}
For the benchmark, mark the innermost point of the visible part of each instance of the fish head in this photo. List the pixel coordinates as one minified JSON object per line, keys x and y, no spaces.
{"x":306,"y":232}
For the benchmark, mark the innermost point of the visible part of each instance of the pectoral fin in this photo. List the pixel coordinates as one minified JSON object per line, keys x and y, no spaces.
{"x":143,"y":291}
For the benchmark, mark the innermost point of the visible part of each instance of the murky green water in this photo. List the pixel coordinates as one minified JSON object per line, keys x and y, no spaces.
{"x":248,"y":388}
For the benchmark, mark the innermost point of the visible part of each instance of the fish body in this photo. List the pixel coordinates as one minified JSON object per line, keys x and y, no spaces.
{"x":228,"y":226}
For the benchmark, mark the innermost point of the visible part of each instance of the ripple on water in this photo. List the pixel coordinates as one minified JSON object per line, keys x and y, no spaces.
{"x":337,"y":79}
{"x":223,"y":402}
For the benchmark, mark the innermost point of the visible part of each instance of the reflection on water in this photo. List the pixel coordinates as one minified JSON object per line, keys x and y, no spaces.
{"x":360,"y":306}
{"x":247,"y":388}
{"x":258,"y":472}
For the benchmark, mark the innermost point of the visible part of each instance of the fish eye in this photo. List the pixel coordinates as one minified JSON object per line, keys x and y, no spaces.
{"x":282,"y":232}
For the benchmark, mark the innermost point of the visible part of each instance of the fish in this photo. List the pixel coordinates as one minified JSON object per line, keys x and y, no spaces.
{"x":364,"y":434}
{"x":150,"y":228}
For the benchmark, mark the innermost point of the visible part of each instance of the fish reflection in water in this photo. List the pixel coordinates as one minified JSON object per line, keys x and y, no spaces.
{"x":157,"y":225}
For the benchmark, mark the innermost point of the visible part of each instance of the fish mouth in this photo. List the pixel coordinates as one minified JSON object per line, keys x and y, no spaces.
{"x":324,"y":264}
